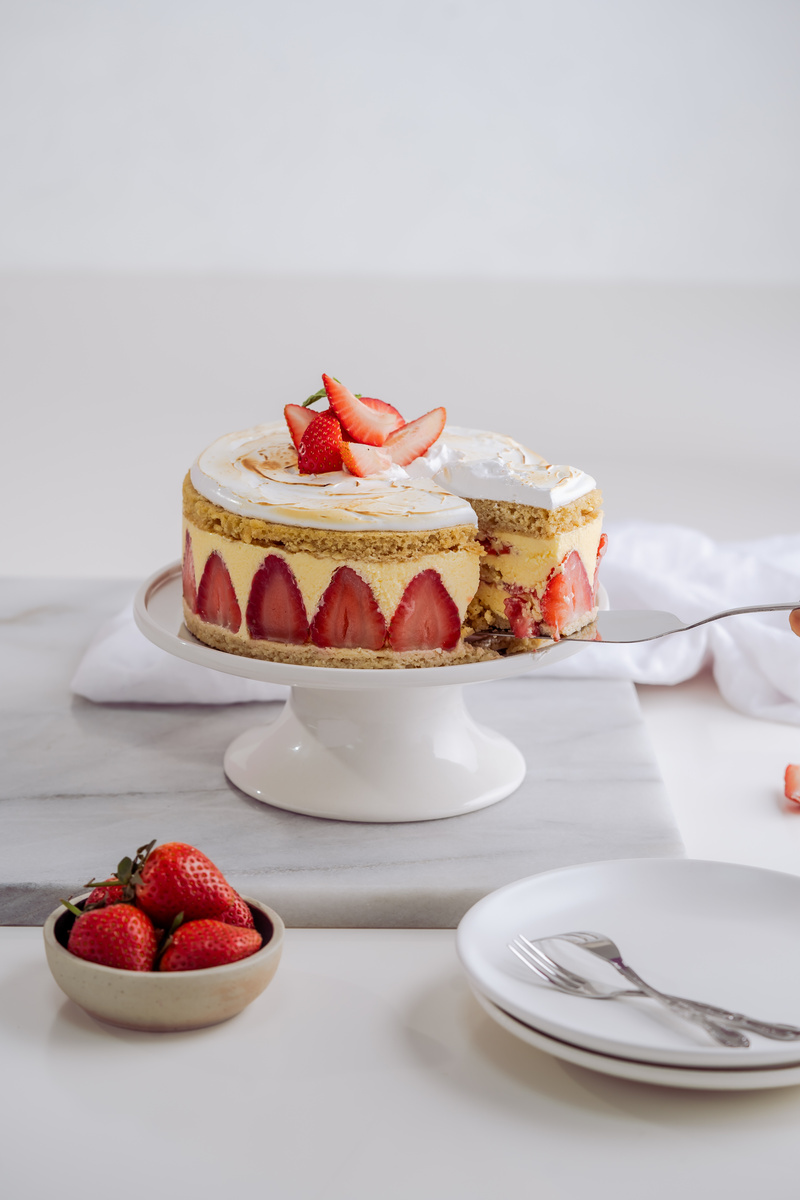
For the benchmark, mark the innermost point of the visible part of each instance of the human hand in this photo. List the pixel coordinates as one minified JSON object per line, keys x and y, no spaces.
{"x":794,"y":620}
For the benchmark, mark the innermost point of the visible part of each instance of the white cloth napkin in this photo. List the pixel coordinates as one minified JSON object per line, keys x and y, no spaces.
{"x":755,"y":659}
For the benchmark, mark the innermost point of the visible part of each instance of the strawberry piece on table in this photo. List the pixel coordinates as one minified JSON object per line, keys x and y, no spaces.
{"x":176,"y":878}
{"x":426,"y":617}
{"x":791,"y":783}
{"x":567,"y":595}
{"x":361,"y":422}
{"x":216,"y":598}
{"x":189,"y":585}
{"x":238,"y":914}
{"x":275,"y":609}
{"x":208,"y":943}
{"x":364,"y":460}
{"x":320,"y":447}
{"x":348,"y":615}
{"x":413,"y":439}
{"x":117,"y":936}
{"x":298,"y":419}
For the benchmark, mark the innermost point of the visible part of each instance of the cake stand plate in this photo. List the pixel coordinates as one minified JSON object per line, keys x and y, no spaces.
{"x":357,"y":745}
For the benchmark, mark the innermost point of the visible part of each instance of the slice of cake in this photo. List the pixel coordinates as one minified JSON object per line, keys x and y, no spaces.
{"x":541,"y":531}
{"x":351,"y":538}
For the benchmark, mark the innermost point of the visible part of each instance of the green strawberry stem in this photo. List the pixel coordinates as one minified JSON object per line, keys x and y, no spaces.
{"x":128,"y":873}
{"x":73,"y":908}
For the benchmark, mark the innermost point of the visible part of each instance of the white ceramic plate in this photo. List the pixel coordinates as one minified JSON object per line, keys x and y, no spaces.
{"x":707,"y":1079}
{"x":725,"y":934}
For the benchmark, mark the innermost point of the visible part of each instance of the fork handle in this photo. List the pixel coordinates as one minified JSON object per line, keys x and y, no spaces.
{"x":767,"y":1029}
{"x":684,"y":1008}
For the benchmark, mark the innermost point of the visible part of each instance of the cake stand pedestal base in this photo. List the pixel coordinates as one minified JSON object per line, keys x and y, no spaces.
{"x":401,"y":754}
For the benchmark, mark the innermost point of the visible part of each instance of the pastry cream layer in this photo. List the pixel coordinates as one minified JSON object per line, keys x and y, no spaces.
{"x":459,"y":571}
{"x":530,"y":560}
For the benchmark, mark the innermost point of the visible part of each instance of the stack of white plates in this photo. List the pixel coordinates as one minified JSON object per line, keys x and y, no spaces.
{"x":724,"y":934}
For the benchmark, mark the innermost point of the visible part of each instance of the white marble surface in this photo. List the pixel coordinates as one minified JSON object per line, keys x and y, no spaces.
{"x":88,"y":783}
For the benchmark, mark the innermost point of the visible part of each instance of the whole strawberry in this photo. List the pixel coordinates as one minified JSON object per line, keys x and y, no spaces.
{"x":208,"y":943}
{"x":103,"y":894}
{"x":116,"y":936}
{"x":320,"y":448}
{"x":176,"y":878}
{"x":238,"y":913}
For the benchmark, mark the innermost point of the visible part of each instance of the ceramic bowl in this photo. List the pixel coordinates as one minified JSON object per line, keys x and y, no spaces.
{"x":172,"y":1001}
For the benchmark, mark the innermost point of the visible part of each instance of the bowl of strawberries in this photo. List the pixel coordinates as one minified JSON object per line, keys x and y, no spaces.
{"x":164,"y":944}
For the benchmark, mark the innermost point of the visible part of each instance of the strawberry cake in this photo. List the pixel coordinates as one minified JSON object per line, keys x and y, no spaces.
{"x":351,"y":538}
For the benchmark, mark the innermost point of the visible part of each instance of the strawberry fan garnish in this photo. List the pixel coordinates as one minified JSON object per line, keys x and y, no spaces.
{"x":360,"y":434}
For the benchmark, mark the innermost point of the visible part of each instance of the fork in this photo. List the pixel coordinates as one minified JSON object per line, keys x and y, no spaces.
{"x":634,"y":625}
{"x":566,"y":981}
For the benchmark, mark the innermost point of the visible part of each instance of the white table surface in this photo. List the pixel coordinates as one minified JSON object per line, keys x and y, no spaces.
{"x":368,"y":1071}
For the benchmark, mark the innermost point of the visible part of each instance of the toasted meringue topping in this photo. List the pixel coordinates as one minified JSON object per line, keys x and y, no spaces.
{"x":254,"y":473}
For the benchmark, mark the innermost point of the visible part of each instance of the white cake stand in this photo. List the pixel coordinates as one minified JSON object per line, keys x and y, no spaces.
{"x":357,"y":745}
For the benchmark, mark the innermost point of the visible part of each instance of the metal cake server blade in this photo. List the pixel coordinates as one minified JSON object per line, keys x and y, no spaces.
{"x":621,"y":625}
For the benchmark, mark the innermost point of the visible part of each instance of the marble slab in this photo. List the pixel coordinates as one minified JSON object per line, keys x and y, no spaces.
{"x":84,"y":784}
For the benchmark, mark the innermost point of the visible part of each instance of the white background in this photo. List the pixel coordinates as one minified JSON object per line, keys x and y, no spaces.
{"x":574,"y":222}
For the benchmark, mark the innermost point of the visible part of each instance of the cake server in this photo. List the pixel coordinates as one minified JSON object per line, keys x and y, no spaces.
{"x":635,"y":625}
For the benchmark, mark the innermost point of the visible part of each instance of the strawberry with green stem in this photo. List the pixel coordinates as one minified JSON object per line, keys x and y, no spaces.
{"x":121,"y":886}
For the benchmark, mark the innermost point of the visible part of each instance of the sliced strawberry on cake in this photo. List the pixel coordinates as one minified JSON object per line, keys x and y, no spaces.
{"x":414,"y":439}
{"x":361,"y":422}
{"x":348,"y":615}
{"x":601,"y":549}
{"x":275,"y":609}
{"x":364,"y":460}
{"x":382,"y":406}
{"x":298,"y":418}
{"x":216,"y":597}
{"x":567,"y":597}
{"x":426,"y":617}
{"x":521,"y":610}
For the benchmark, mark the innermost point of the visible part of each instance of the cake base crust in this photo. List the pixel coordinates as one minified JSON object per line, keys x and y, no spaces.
{"x":309,"y":655}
